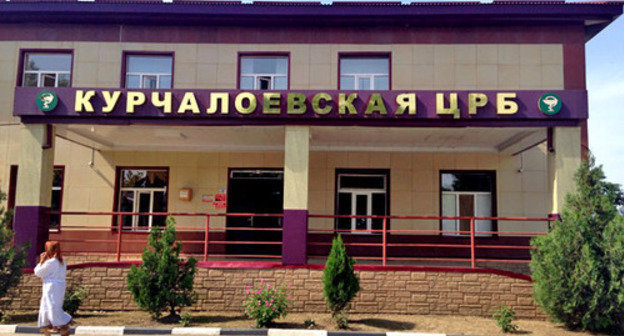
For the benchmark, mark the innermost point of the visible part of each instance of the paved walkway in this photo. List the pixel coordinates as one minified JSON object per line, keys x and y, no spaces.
{"x":11,"y":330}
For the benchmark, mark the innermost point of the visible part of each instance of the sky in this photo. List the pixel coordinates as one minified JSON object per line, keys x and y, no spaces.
{"x":604,"y":57}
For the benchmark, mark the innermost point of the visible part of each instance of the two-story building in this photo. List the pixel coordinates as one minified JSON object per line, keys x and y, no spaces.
{"x":437,"y":132}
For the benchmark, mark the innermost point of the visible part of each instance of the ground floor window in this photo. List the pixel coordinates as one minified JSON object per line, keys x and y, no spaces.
{"x":361,"y":192}
{"x":57,"y":197}
{"x":142,"y":190}
{"x":56,"y":203}
{"x":470,"y":194}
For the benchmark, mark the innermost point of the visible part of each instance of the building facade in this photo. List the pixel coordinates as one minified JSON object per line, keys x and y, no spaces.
{"x":470,"y":118}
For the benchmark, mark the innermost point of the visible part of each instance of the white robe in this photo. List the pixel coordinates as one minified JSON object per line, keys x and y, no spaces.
{"x":52,"y":272}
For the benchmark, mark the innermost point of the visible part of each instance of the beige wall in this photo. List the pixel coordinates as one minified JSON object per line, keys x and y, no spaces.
{"x":91,"y":189}
{"x":415,"y":186}
{"x":414,"y":181}
{"x":313,"y":66}
{"x":414,"y":175}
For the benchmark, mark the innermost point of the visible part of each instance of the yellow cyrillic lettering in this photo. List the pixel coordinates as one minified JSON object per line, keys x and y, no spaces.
{"x":504,"y":106}
{"x":406,"y":101}
{"x":452,"y":109}
{"x":134,"y":99}
{"x":188,"y":103}
{"x":215,"y":97}
{"x":346,"y":103}
{"x":376,"y":105}
{"x":316,"y":103}
{"x":476,"y":100}
{"x":83,"y":101}
{"x":165,"y":103}
{"x":296,"y":103}
{"x":271,"y":102}
{"x":251,"y":107}
{"x":110,"y":100}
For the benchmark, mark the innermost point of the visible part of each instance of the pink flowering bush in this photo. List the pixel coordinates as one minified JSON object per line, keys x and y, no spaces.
{"x":266,"y":303}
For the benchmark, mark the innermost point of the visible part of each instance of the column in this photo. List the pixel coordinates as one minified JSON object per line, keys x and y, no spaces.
{"x":563,"y":162}
{"x":34,"y":185}
{"x":296,"y":162}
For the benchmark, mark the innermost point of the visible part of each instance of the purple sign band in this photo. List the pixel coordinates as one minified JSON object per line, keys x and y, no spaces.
{"x":238,"y":107}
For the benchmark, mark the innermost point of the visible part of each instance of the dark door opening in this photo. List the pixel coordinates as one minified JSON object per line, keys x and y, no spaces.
{"x":258,"y":191}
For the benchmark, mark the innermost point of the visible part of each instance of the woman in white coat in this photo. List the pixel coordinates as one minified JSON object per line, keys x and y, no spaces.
{"x":52,"y":270}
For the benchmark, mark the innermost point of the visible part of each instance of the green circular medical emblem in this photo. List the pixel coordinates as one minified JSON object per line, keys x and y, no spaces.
{"x":47,"y":100}
{"x":550,"y":104}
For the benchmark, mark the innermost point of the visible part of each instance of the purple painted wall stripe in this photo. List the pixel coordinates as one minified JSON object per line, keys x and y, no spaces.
{"x":294,"y":237}
{"x":31,"y":225}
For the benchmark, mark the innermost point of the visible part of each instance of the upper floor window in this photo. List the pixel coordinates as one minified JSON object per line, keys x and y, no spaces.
{"x":148,"y":71}
{"x":364,"y":72}
{"x":50,"y":69}
{"x":263,"y":72}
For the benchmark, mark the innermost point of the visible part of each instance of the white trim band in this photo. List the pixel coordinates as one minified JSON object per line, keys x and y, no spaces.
{"x":99,"y":330}
{"x":8,"y":328}
{"x":296,"y":332}
{"x":196,"y":331}
{"x":411,"y":334}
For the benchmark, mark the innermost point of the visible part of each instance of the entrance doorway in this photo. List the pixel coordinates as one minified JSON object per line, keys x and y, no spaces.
{"x":257,"y":191}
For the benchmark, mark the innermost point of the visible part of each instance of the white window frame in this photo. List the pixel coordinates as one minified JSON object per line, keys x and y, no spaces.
{"x":475,"y":204}
{"x":362,"y":191}
{"x":257,"y":76}
{"x":357,"y":76}
{"x":142,"y":76}
{"x":40,"y":73}
{"x":370,"y":76}
{"x":271,"y":77}
{"x":135,"y":206}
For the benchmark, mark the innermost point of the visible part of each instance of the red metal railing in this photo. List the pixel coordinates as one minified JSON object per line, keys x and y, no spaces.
{"x":354,"y":239}
{"x":114,"y":234}
{"x":393,"y":244}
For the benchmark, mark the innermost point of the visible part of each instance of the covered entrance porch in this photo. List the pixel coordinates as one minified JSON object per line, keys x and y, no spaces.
{"x":397,"y":195}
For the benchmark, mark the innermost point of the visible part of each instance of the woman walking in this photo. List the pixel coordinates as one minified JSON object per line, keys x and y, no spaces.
{"x":52,"y":269}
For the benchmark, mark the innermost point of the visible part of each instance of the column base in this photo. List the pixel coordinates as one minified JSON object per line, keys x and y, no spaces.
{"x":294,"y":237}
{"x":31,"y":224}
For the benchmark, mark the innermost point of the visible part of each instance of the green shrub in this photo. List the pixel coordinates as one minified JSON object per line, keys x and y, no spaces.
{"x":185,"y":320}
{"x":12,"y":258}
{"x":164,"y":281}
{"x":266,"y":303}
{"x":309,"y":323}
{"x":74,"y":295}
{"x":6,"y":319}
{"x":504,"y":317}
{"x":340,"y":283}
{"x":578,"y":268}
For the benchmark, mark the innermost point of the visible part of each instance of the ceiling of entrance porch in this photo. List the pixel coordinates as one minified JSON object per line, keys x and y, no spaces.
{"x":322,"y":138}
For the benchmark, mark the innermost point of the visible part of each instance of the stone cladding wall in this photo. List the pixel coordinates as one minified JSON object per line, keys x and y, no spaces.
{"x":394,"y":292}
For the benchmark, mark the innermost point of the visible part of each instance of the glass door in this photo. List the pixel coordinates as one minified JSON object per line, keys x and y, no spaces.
{"x":361,"y":195}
